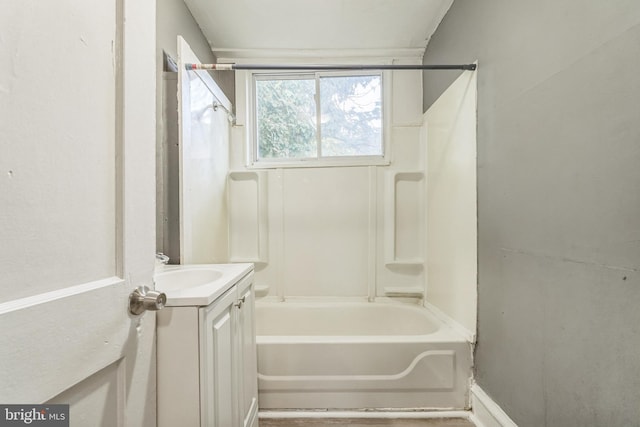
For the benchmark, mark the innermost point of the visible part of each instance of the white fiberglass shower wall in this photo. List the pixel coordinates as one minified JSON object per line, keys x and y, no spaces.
{"x":354,"y":231}
{"x":193,"y":163}
{"x":449,"y":134}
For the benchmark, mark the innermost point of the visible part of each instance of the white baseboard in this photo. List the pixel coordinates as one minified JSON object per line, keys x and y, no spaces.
{"x":486,"y":412}
{"x":363,"y":414}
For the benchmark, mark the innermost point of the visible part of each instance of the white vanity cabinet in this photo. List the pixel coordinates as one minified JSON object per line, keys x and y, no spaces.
{"x":207,"y":368}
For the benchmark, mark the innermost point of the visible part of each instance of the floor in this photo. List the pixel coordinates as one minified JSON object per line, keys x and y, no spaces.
{"x":364,"y":422}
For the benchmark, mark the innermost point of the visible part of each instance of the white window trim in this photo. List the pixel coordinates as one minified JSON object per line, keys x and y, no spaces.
{"x":252,"y":161}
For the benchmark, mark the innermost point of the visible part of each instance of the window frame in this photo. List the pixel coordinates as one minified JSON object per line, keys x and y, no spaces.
{"x":321,"y":161}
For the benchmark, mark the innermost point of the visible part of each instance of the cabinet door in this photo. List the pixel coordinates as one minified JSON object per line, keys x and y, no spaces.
{"x":218,"y":350}
{"x":248,"y":362}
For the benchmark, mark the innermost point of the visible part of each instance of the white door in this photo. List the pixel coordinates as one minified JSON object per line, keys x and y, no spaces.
{"x":77,"y":188}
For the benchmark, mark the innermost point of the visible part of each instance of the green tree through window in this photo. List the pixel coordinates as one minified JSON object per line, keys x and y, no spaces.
{"x":350,"y":119}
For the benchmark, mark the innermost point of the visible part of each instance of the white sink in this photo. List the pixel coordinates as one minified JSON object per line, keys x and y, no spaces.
{"x":186,"y":278}
{"x":198,"y":284}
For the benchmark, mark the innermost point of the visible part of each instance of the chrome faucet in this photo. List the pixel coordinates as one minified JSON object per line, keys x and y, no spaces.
{"x":162,"y":258}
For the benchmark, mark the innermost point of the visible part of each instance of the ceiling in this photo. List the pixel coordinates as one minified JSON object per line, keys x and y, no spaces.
{"x":291,"y":28}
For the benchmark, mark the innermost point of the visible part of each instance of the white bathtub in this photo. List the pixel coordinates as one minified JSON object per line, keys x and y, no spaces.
{"x":356,"y":355}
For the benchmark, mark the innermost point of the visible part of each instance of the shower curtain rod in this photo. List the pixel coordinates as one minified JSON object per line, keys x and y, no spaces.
{"x":346,"y":67}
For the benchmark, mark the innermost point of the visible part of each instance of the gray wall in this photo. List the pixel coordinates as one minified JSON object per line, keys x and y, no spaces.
{"x":173,"y":18}
{"x":559,"y":203}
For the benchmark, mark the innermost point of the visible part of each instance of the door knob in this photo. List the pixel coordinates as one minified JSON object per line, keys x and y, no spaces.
{"x":143,"y":299}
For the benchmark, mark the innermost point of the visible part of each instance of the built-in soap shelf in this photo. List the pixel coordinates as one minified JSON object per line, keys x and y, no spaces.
{"x":247,"y":213}
{"x":412,"y":261}
{"x":404,"y":218}
{"x":261,"y":290}
{"x":404,"y":291}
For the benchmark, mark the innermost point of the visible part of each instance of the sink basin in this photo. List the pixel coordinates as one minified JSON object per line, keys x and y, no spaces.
{"x":198,"y":284}
{"x":186,"y":278}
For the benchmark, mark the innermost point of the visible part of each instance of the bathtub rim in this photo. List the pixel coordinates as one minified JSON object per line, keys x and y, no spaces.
{"x":445,"y":333}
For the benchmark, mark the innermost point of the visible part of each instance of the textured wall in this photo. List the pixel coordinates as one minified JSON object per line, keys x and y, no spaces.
{"x":558,"y":203}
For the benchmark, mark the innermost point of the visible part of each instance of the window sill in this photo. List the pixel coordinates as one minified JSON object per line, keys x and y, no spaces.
{"x":324,"y":163}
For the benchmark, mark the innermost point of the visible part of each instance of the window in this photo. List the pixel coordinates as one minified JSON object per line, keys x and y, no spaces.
{"x":318,"y":116}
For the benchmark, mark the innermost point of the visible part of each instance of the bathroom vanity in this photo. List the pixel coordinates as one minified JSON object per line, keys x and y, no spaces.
{"x":206,"y":367}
